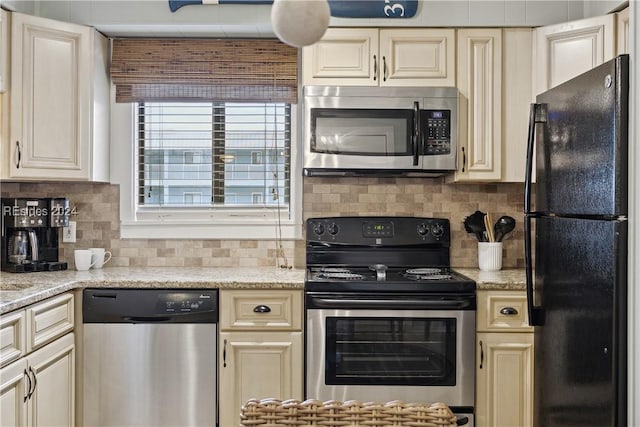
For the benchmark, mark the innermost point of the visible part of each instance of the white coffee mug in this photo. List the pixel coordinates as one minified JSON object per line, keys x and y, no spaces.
{"x":98,"y":257}
{"x":83,"y":259}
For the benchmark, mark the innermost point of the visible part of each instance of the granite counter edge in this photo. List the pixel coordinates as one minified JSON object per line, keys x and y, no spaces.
{"x":26,"y":298}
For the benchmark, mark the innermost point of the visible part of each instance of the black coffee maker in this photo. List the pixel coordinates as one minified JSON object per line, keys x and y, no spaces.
{"x":30,"y":230}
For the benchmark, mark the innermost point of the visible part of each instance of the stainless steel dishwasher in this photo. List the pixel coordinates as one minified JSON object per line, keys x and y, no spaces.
{"x":150,"y":357}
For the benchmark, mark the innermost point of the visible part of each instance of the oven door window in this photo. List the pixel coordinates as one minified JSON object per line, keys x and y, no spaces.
{"x":364,"y":132}
{"x":390,"y":351}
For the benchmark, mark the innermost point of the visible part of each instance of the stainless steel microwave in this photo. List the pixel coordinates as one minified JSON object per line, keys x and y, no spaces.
{"x":383,"y":131}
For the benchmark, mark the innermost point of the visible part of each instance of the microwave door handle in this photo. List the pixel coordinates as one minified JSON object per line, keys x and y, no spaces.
{"x":416,"y":133}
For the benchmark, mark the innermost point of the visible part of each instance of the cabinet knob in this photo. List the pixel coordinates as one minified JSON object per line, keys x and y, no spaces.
{"x":261,"y":309}
{"x":508,"y":311}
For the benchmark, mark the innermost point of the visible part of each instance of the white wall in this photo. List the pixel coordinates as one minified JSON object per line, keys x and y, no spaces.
{"x":602,"y":7}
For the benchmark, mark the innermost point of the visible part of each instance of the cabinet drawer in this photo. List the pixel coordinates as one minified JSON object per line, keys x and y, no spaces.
{"x":503,"y":311}
{"x":12,"y":338}
{"x":260,"y":310}
{"x":49,"y":320}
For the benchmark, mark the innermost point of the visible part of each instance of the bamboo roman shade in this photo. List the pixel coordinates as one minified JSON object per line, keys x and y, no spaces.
{"x":263,"y":70}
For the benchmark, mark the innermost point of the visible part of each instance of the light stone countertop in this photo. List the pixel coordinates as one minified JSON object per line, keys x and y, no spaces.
{"x":20,"y":290}
{"x":511,"y":279}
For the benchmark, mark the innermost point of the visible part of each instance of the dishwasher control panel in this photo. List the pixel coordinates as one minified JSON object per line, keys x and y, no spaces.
{"x":150,"y":306}
{"x":184,"y":302}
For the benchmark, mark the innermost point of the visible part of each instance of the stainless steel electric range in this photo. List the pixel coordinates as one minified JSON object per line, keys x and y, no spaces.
{"x":386,"y":316}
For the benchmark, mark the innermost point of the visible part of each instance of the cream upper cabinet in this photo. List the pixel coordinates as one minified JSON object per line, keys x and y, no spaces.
{"x":4,"y":49}
{"x":504,"y":360}
{"x":622,"y":30}
{"x":566,"y":50}
{"x":381,"y":57}
{"x":261,"y":348}
{"x":59,"y":101}
{"x":480,"y":85}
{"x":517,"y":45}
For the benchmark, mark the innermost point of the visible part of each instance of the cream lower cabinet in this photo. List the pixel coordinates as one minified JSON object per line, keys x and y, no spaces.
{"x":504,"y":358}
{"x":381,"y":57}
{"x":565,"y":50}
{"x":261,"y":348}
{"x":38,"y":388}
{"x":59,"y":101}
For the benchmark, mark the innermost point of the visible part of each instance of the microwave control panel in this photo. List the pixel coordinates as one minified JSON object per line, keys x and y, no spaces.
{"x":436,"y":131}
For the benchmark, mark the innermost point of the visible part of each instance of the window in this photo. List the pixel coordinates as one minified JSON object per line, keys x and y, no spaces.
{"x":203,"y":148}
{"x":212,"y":165}
{"x":256,"y":157}
{"x":211,"y":123}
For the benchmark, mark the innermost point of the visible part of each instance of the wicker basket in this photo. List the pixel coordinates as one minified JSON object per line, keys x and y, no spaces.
{"x":352,"y":413}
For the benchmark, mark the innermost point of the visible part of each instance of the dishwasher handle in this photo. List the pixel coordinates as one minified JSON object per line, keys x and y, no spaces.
{"x":147,"y":319}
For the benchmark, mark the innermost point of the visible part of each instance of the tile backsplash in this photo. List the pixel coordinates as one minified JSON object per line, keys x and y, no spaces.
{"x":97,"y":206}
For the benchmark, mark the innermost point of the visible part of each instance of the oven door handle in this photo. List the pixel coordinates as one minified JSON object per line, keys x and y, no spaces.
{"x":390,"y":303}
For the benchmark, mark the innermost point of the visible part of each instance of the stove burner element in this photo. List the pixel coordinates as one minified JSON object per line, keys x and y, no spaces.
{"x":338,"y":273}
{"x":424,"y":271}
{"x":427,"y":274}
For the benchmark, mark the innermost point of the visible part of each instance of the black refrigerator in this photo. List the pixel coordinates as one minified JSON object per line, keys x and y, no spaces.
{"x":576,"y":248}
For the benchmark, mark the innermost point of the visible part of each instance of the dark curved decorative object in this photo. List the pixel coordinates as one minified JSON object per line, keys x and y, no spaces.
{"x":339,"y":8}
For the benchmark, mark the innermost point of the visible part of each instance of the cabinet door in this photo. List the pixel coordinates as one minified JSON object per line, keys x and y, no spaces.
{"x":265,"y":310}
{"x":565,"y":50}
{"x":344,"y":56}
{"x":12,"y":336}
{"x":4,"y":49}
{"x":622,"y":29}
{"x":417,"y":57}
{"x":53,"y":399}
{"x":516,"y":98}
{"x":260,"y":365}
{"x":479,"y":82}
{"x":13,"y":389}
{"x":50,"y":99}
{"x":504,"y":379}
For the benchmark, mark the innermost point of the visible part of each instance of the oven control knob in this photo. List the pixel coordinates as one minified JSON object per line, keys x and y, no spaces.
{"x":437,"y":230}
{"x":318,"y":229}
{"x":333,"y":229}
{"x":423,"y":229}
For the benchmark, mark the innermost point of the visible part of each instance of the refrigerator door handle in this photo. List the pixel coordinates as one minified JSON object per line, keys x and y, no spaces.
{"x":537,"y":114}
{"x":534,"y":313}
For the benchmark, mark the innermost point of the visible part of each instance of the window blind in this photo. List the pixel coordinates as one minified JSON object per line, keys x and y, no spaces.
{"x":150,"y":70}
{"x":220,"y":154}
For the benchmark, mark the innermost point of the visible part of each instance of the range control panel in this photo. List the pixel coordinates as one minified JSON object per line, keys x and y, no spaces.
{"x":378,"y":230}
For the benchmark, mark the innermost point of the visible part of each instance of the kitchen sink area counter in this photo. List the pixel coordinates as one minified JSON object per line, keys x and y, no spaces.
{"x":20,"y":290}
